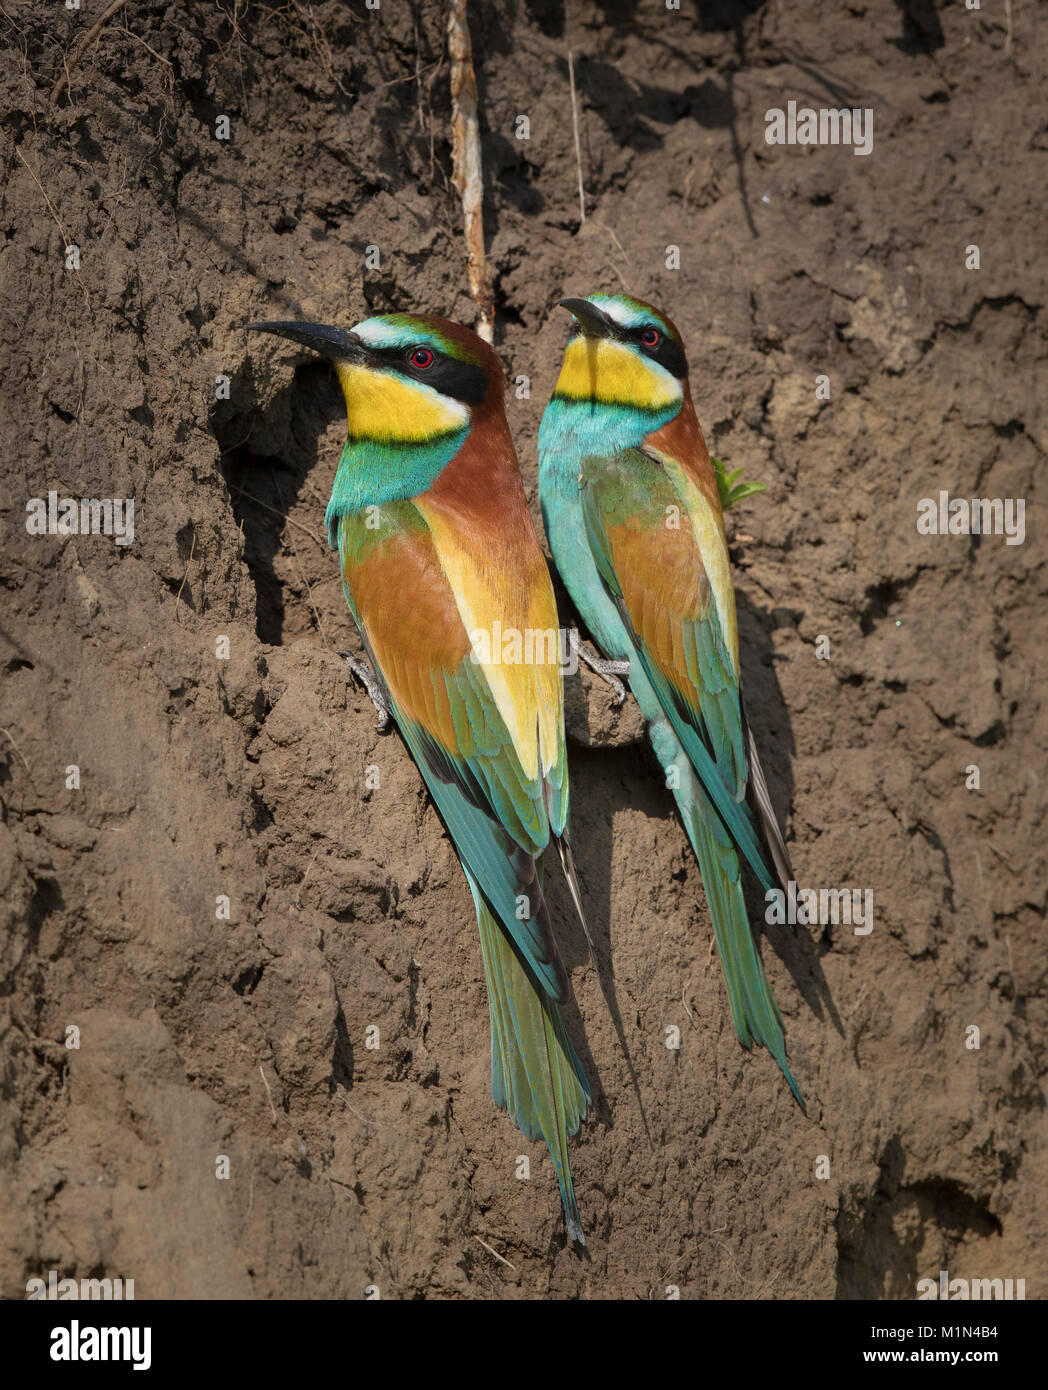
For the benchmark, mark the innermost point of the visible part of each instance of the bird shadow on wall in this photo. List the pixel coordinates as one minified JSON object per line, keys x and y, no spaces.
{"x":800,"y":952}
{"x":272,"y":461}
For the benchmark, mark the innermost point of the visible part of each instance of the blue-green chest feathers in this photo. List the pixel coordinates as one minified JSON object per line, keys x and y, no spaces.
{"x":372,"y":473}
{"x":573,"y":429}
{"x":561,"y":504}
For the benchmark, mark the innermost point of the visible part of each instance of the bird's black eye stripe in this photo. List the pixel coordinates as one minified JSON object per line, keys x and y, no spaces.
{"x":667,"y":351}
{"x":463,"y":381}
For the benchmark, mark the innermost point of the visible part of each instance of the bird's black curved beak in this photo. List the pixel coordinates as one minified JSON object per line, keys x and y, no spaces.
{"x":333,"y":343}
{"x":594,"y":322}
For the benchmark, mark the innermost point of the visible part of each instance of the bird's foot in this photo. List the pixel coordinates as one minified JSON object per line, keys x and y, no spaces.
{"x":376,"y":694}
{"x":608,"y":671}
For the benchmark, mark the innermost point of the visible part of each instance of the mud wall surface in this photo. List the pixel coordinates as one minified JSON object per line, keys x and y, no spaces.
{"x":205,"y":776}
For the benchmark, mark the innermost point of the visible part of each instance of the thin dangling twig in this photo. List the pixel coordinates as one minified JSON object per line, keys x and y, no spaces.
{"x":467,"y":174}
{"x":575,"y":122}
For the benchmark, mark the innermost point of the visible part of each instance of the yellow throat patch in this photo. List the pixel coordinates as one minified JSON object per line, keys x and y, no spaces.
{"x":381,"y":405}
{"x":603,"y":370}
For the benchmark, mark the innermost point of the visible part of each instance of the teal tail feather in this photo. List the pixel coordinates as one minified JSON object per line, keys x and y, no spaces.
{"x":754,"y":1010}
{"x":535,"y":1073}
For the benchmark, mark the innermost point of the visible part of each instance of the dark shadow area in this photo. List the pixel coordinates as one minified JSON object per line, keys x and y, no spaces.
{"x":799,"y":950}
{"x":342,"y":1056}
{"x":711,"y":16}
{"x":602,"y":779}
{"x":921,"y":27}
{"x":264,"y":487}
{"x":628,"y":109}
{"x":716,"y":16}
{"x":879,"y":1246}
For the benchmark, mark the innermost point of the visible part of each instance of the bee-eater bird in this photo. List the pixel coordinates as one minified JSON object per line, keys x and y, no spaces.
{"x":440,"y":564}
{"x":634,"y":521}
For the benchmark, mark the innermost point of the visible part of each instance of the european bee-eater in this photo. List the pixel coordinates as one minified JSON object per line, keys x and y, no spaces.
{"x":440,"y":562}
{"x":633,"y":516}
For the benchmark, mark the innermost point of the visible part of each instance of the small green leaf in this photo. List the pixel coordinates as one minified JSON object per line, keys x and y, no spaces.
{"x":730,"y":492}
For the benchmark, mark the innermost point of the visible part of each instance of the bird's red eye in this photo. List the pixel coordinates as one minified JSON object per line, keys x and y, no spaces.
{"x":422,"y":357}
{"x":650,"y":337}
